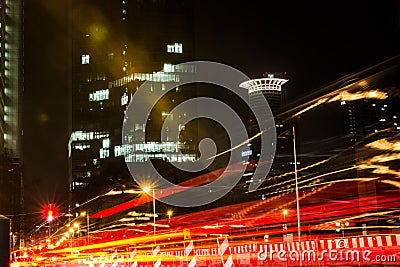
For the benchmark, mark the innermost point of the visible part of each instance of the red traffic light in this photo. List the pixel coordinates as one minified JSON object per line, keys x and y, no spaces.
{"x":50,"y":212}
{"x":50,"y":215}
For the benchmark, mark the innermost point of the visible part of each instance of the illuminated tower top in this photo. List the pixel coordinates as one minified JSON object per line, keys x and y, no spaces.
{"x":270,"y":87}
{"x":270,"y":83}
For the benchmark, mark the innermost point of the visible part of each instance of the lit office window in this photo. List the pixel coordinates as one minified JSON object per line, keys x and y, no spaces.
{"x":99,"y":95}
{"x":124,"y":99}
{"x":104,"y":153}
{"x":83,"y":135}
{"x":175,"y":48}
{"x":168,"y":67}
{"x":81,"y":146}
{"x":106,"y":143}
{"x":85,"y":59}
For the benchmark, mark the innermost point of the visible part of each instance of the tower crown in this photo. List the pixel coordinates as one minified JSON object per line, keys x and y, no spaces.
{"x":270,"y":84}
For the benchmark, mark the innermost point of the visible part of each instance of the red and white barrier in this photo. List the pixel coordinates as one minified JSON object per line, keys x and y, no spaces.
{"x":221,"y":253}
{"x":132,"y":258}
{"x":223,"y":250}
{"x":157,"y":256}
{"x":361,"y":242}
{"x":190,"y":254}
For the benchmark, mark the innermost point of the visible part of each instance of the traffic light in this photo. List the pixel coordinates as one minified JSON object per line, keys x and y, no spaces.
{"x":50,"y":215}
{"x":50,"y":212}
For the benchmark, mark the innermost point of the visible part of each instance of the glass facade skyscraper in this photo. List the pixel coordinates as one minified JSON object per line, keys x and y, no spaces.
{"x":11,"y":90}
{"x":117,"y":45}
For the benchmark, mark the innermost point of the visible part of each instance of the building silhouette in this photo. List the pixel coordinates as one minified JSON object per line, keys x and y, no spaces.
{"x":117,"y":45}
{"x":11,"y":90}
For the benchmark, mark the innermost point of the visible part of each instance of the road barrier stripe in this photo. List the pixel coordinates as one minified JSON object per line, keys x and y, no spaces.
{"x":361,"y":241}
{"x":379,"y":241}
{"x":354,"y":242}
{"x":190,"y":254}
{"x":389,"y":240}
{"x":370,"y":241}
{"x":225,"y":253}
{"x":134,"y":263}
{"x":157,"y":261}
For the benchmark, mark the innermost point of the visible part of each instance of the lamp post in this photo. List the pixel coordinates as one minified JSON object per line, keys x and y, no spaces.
{"x":147,"y":189}
{"x":83,"y":214}
{"x":297,"y":189}
{"x":284,"y":229}
{"x":169,"y":213}
{"x":71,"y":235}
{"x":341,"y":226}
{"x":284,"y":226}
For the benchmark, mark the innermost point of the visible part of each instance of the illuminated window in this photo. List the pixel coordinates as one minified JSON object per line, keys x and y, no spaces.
{"x":104,"y":153}
{"x":106,"y":143}
{"x":144,"y":151}
{"x":175,"y":48}
{"x":85,"y":59}
{"x":81,"y":146}
{"x":79,"y":185}
{"x":99,"y":95}
{"x":82,"y":135}
{"x":124,"y":99}
{"x":168,"y":67}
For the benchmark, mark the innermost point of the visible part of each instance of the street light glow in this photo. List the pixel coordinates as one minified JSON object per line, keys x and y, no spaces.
{"x":146,"y":189}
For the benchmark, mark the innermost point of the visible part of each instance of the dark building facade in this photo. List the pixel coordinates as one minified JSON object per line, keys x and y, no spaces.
{"x":270,"y":87}
{"x":117,"y":45}
{"x":350,"y":135}
{"x":11,"y":89}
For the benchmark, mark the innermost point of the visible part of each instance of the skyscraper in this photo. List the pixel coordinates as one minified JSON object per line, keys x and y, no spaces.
{"x":117,"y":45}
{"x":271,"y":88}
{"x":11,"y":89}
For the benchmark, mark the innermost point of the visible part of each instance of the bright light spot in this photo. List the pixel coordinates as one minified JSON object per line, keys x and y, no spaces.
{"x":146,"y":189}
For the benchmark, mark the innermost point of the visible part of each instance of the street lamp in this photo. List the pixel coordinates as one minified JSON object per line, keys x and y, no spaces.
{"x":341,"y":226}
{"x":285,"y":212}
{"x":169,"y":213}
{"x":147,"y":190}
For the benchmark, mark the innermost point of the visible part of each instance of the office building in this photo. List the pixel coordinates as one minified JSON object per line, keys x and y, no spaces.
{"x":11,"y":89}
{"x":270,"y":87}
{"x":117,"y":45}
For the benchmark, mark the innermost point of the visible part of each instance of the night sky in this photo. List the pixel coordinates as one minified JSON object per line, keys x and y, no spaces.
{"x":316,"y":42}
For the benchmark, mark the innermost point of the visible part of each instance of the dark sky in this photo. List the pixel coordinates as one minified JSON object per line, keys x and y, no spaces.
{"x":316,"y":42}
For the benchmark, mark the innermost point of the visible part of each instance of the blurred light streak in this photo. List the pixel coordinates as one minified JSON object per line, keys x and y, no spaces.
{"x":384,"y":144}
{"x":121,"y":242}
{"x":394,"y":183}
